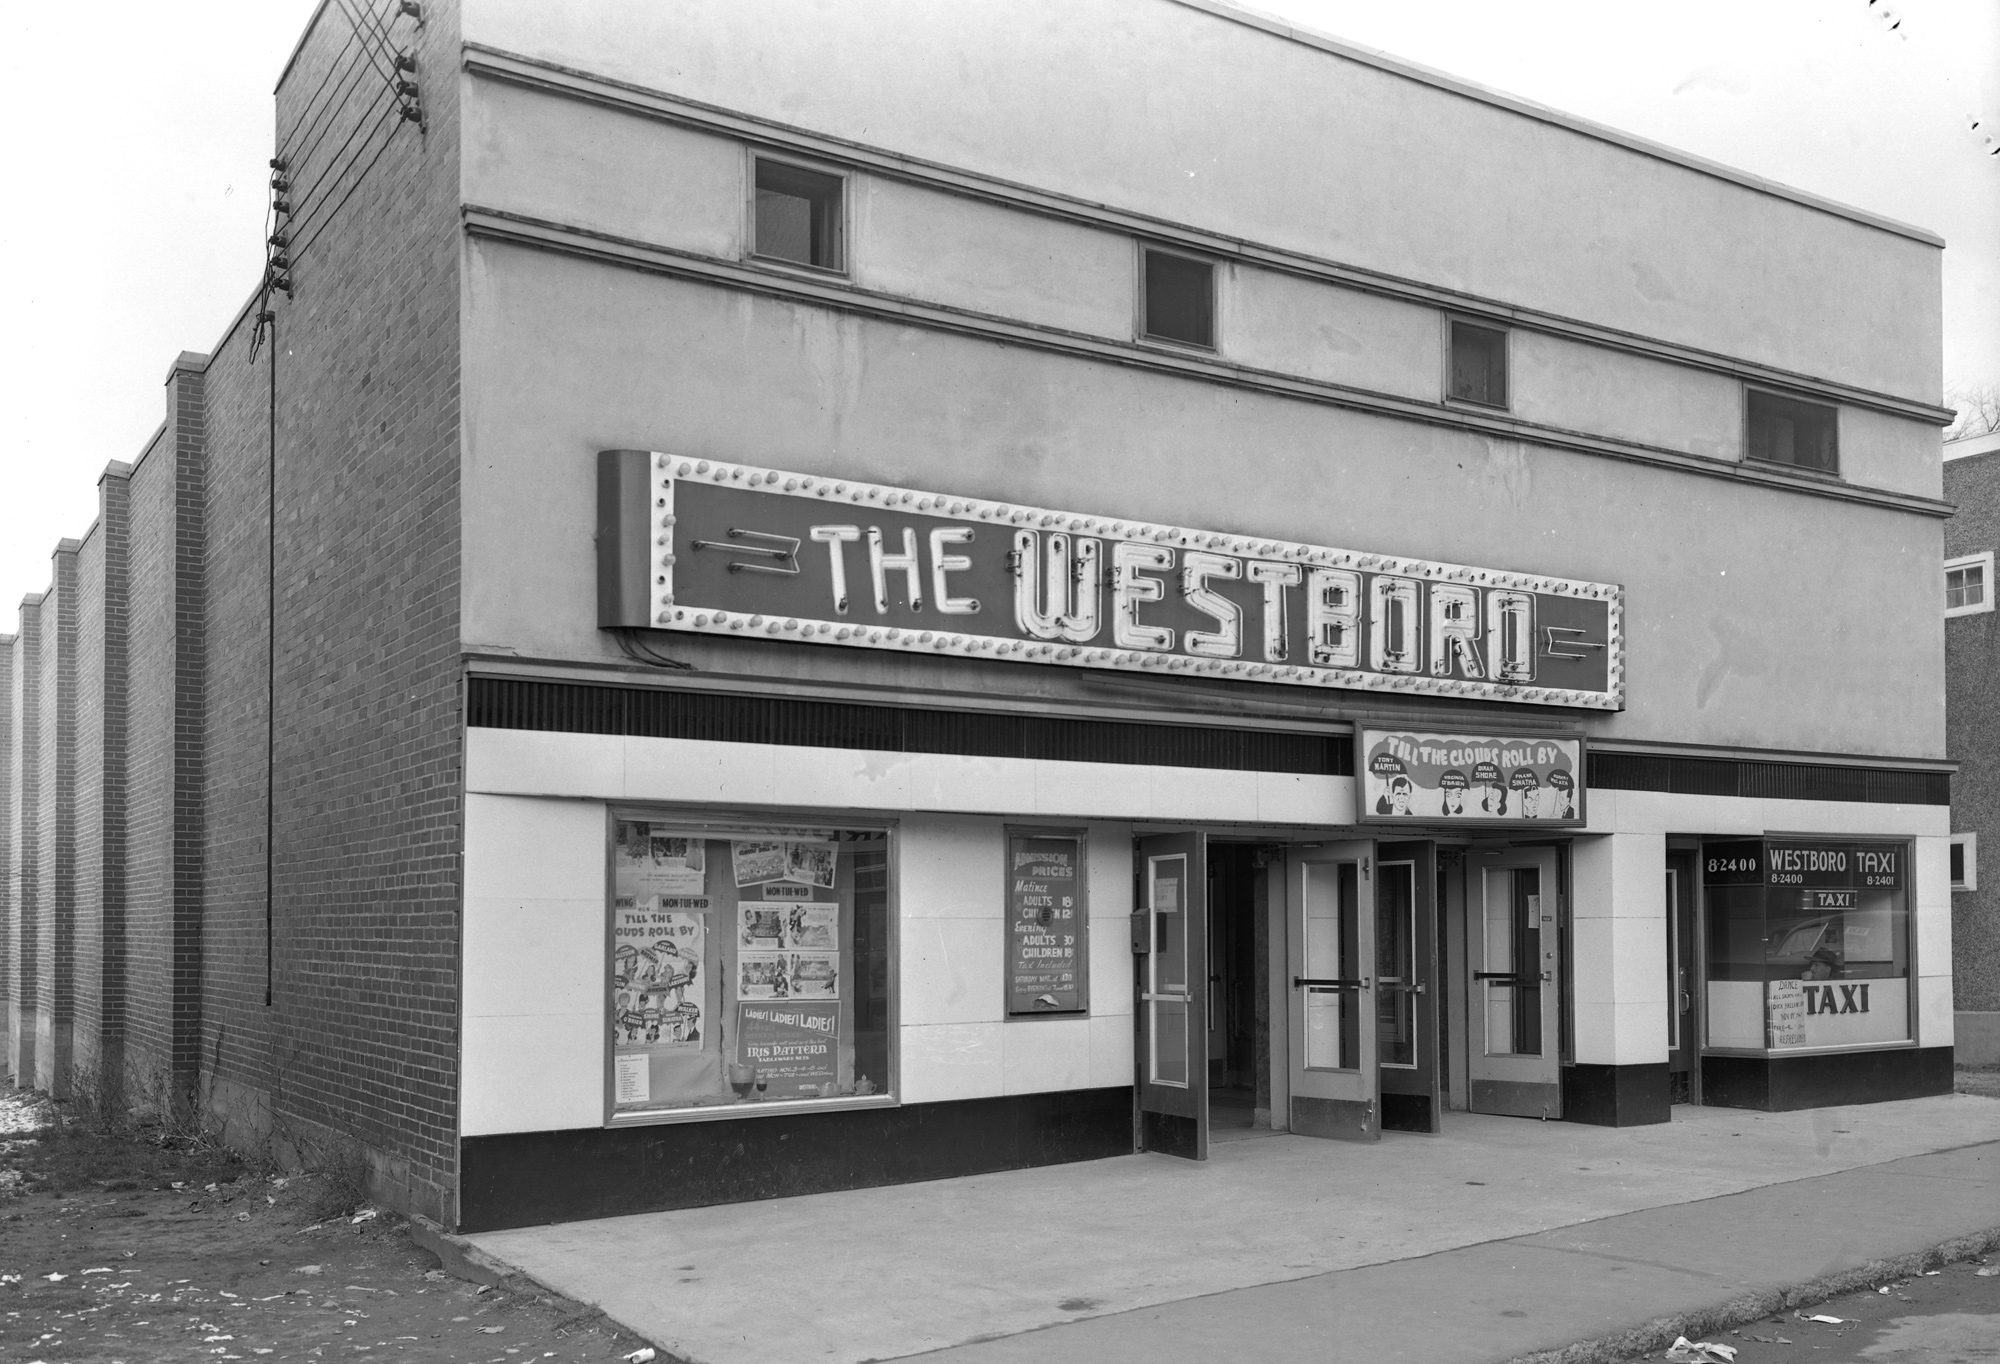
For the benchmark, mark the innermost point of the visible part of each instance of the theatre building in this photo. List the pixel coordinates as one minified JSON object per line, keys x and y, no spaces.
{"x":794,"y":596}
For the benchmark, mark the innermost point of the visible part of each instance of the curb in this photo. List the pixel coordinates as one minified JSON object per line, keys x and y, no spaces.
{"x":461,"y":1259}
{"x":1659,"y":1333}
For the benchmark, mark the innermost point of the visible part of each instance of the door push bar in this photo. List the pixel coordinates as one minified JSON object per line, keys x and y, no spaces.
{"x":1299,"y":982}
{"x":1512,"y":978}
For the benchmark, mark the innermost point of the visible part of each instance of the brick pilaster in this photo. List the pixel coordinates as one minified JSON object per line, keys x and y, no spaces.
{"x":24,"y":862}
{"x":9,"y":904}
{"x":115,"y":525}
{"x":55,"y":938}
{"x":187,"y":433}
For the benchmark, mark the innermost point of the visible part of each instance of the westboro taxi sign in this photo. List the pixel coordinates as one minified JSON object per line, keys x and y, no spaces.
{"x":736,"y":549}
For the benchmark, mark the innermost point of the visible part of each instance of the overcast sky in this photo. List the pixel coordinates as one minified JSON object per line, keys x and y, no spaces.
{"x":138,"y":136}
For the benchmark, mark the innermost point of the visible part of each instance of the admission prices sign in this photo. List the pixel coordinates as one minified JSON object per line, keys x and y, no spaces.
{"x":736,"y":549}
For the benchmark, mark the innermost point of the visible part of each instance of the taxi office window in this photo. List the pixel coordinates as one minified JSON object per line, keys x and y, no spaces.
{"x":1784,"y":430}
{"x":798,"y":214}
{"x":1808,"y":943}
{"x":1177,"y":298}
{"x":1478,"y":364}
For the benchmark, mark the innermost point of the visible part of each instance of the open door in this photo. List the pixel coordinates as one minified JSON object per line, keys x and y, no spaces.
{"x":1330,"y":942}
{"x":1170,"y":934}
{"x":1406,"y":994}
{"x":1512,"y":943}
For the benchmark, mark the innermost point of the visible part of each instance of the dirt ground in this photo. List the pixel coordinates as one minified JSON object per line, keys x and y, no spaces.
{"x":1947,"y":1316}
{"x":114,"y":1250}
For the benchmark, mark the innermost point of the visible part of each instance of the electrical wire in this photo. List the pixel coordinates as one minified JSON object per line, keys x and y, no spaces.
{"x":331,"y":180}
{"x":635,"y":648}
{"x":301,"y":249}
{"x":388,"y":74}
{"x":343,"y":63}
{"x":324,"y":120}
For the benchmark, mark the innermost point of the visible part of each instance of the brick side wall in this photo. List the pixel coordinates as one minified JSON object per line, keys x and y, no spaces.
{"x":24,"y":864}
{"x":86,"y":980}
{"x":238,"y":1028}
{"x":55,"y":943}
{"x":9,"y":905}
{"x":100,"y":787}
{"x":367,"y":723}
{"x":1972,"y":735}
{"x":153,"y":649}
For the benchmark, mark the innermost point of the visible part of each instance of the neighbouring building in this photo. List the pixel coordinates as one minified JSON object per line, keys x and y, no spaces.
{"x":1972,"y":711}
{"x":775,"y":598}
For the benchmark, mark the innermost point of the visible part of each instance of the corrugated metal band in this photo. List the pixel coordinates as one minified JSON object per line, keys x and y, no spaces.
{"x":577,"y":708}
{"x":1767,"y":780}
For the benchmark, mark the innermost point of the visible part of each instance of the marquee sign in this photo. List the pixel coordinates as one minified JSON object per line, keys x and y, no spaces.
{"x":736,"y":549}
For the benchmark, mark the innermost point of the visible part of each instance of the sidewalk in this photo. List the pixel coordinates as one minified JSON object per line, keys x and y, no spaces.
{"x":1499,"y":1238}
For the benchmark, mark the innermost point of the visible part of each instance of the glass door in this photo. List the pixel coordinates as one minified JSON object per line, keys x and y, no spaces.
{"x":1170,"y":938}
{"x":1406,"y":1000}
{"x":1514,"y":944}
{"x":1331,"y":950}
{"x":1683,"y":989}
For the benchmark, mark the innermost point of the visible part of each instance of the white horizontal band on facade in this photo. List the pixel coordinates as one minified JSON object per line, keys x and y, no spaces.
{"x":518,"y":69}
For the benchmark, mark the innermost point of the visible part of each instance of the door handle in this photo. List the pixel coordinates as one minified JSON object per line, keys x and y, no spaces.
{"x":1416,"y":989}
{"x":1685,"y":1001}
{"x":1511,"y":977}
{"x":1299,"y":982}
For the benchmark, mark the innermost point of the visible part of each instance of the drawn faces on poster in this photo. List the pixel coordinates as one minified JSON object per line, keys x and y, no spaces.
{"x":787,"y":944}
{"x":656,"y":957}
{"x":1423,"y":777}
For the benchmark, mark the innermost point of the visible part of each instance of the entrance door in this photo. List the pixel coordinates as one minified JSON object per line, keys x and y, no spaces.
{"x":1512,"y":943}
{"x":1683,"y":1025}
{"x":1170,"y":932}
{"x":1406,"y":999}
{"x":1330,"y":950}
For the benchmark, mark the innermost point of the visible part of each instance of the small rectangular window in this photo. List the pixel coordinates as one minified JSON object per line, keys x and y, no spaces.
{"x":798,"y":215}
{"x":1968,"y":584}
{"x":1965,"y":861}
{"x":1179,"y":302}
{"x":1478,"y":364}
{"x":1787,"y":431}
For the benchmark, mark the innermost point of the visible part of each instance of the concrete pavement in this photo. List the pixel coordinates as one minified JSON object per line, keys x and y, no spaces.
{"x":1499,"y":1238}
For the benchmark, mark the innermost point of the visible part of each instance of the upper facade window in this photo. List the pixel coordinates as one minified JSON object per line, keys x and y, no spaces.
{"x":1968,"y":584}
{"x":1478,"y":364}
{"x":797,"y":215}
{"x":1965,"y":861}
{"x":1176,"y":298}
{"x":1786,"y":431}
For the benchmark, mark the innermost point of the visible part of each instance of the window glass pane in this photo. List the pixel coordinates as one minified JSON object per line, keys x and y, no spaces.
{"x":1395,"y":963}
{"x":798,"y":215}
{"x":1332,"y":905}
{"x":1958,"y":864}
{"x":1787,"y":431}
{"x":1478,"y":364}
{"x":1965,"y":586}
{"x":749,"y":967}
{"x":1180,"y":303}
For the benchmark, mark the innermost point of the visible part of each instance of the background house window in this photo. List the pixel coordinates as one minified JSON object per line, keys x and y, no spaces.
{"x":1968,"y":584}
{"x":798,"y":215}
{"x":1478,"y":364}
{"x":1965,"y":861}
{"x":1787,"y":431}
{"x":1179,"y":302}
